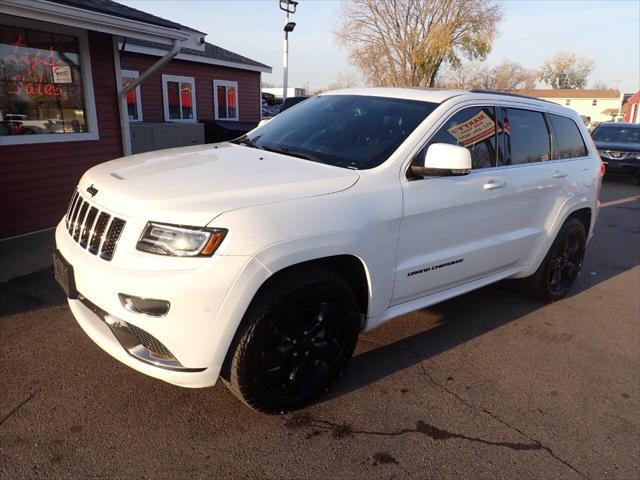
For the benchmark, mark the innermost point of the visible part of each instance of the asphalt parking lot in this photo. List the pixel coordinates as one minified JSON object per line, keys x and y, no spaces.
{"x":487,"y":385}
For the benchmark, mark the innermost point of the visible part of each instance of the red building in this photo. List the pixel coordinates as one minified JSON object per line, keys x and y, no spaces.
{"x":63,"y":66}
{"x":633,"y":109}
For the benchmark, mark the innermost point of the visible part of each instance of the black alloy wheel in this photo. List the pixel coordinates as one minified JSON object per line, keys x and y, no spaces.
{"x":296,"y":338}
{"x":560,"y":268}
{"x":306,"y":340}
{"x":565,"y":263}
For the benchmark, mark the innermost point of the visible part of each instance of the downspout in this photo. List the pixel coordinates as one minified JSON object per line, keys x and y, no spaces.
{"x":124,"y":91}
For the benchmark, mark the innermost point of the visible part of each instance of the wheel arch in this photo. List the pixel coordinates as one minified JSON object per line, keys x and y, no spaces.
{"x":584,"y":215}
{"x":348,"y":266}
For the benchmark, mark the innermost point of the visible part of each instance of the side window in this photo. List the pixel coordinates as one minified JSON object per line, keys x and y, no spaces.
{"x":568,"y":138}
{"x":473,"y":128}
{"x":527,"y":137}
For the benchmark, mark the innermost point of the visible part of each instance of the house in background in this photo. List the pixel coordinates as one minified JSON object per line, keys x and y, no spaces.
{"x":213,"y":85}
{"x":632,"y":113}
{"x":597,"y":105}
{"x":63,"y":64}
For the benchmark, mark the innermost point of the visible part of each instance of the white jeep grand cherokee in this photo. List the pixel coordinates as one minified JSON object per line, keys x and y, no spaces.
{"x":260,"y":260}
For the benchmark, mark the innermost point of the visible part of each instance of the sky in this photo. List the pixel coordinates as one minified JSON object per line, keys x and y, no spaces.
{"x":608,"y":32}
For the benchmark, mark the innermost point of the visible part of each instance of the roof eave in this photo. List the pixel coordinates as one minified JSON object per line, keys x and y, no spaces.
{"x":195,"y":58}
{"x":101,"y":22}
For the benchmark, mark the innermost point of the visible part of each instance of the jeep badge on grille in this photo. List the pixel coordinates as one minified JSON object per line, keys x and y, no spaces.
{"x":92,"y":190}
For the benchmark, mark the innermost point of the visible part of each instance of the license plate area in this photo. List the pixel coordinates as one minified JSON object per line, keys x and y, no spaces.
{"x":63,"y":273}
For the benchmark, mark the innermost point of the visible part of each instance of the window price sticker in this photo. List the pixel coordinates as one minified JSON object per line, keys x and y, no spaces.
{"x":475,"y":130}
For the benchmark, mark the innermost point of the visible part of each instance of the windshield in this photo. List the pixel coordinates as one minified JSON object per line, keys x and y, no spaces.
{"x":352,"y":131}
{"x":617,"y":134}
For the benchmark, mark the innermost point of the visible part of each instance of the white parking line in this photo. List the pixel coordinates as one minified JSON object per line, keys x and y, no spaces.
{"x":619,"y":201}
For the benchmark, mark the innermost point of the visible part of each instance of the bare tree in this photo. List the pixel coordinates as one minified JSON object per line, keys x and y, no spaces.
{"x":599,"y":85}
{"x":503,"y":77}
{"x":512,"y":76}
{"x":466,"y":76}
{"x":406,"y":42}
{"x":344,"y":79}
{"x":566,"y":70}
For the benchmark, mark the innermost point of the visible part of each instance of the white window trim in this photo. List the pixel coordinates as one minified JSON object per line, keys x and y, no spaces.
{"x":87,"y":84}
{"x":226,"y":83}
{"x":133,"y":74}
{"x":165,"y":97}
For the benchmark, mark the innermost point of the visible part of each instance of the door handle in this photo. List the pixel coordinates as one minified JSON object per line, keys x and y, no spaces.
{"x":559,"y":174}
{"x":493,"y":184}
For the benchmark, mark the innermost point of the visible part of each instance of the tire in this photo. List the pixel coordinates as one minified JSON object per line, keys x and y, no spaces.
{"x":297,"y":336}
{"x":560,"y":268}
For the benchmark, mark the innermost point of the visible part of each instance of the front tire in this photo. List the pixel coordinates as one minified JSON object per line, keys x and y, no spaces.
{"x":560,"y":268}
{"x":297,"y":336}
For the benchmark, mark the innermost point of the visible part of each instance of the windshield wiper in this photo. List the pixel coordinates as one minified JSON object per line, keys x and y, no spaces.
{"x":246,"y":141}
{"x":292,"y":153}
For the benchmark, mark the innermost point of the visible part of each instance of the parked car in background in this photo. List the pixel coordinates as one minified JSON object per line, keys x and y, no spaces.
{"x":260,"y":260}
{"x":291,"y":101}
{"x":619,"y":147}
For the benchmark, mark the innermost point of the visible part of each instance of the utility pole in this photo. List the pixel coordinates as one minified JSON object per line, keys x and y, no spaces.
{"x":289,"y":7}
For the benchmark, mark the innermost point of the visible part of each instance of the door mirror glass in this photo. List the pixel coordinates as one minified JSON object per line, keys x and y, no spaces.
{"x":443,"y":159}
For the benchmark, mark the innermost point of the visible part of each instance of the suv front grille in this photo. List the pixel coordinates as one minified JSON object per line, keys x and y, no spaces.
{"x":87,"y":226}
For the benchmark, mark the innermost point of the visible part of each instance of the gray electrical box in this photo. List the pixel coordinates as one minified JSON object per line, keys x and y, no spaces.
{"x":146,"y":136}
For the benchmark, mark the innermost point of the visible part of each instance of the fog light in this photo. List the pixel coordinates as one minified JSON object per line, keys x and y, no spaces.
{"x":147,"y":306}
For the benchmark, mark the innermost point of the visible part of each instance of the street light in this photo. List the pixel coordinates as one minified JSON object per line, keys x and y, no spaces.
{"x":288,"y":7}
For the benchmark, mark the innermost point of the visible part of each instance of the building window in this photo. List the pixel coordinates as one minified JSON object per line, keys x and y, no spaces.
{"x":179,"y":95}
{"x":594,"y":103}
{"x":45,"y":86}
{"x":567,"y":102}
{"x":134,"y":100}
{"x":225,"y":99}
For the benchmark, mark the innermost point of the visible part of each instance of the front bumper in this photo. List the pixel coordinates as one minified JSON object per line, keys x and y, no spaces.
{"x":198,"y":328}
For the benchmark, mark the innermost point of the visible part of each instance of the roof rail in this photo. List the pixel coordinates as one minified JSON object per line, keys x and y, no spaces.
{"x":509,"y":94}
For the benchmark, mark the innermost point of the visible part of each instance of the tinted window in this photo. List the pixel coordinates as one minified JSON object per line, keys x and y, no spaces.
{"x":527,"y":136}
{"x":568,"y":138}
{"x":355,"y":131}
{"x":616,"y":134}
{"x":475,"y":129}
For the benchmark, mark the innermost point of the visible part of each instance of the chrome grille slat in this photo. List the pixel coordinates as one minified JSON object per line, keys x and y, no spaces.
{"x":74,"y":197}
{"x":98,"y":232}
{"x":79,"y":221}
{"x":111,"y":238}
{"x":87,"y":228}
{"x":74,"y":214}
{"x":104,"y":237}
{"x":94,"y":230}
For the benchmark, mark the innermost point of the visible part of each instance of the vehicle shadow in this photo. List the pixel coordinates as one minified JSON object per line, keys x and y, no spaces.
{"x":408,"y":340}
{"x":30,"y":292}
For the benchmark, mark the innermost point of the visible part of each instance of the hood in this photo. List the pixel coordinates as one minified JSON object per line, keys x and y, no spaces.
{"x":618,"y":147}
{"x":193,"y":185}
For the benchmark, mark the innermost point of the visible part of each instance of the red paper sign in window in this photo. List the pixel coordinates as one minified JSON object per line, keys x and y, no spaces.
{"x":186,"y":96}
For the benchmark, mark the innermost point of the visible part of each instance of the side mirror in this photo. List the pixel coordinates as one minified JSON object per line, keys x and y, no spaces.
{"x":443,"y":159}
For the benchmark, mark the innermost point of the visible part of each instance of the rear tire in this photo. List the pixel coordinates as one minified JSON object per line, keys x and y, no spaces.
{"x":560,"y":268}
{"x":297,"y":336}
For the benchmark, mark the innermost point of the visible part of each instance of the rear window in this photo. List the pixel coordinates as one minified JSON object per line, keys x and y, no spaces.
{"x":528,"y":137}
{"x":568,"y":138}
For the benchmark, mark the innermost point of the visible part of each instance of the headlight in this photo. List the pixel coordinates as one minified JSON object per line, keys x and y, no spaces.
{"x":180,"y":241}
